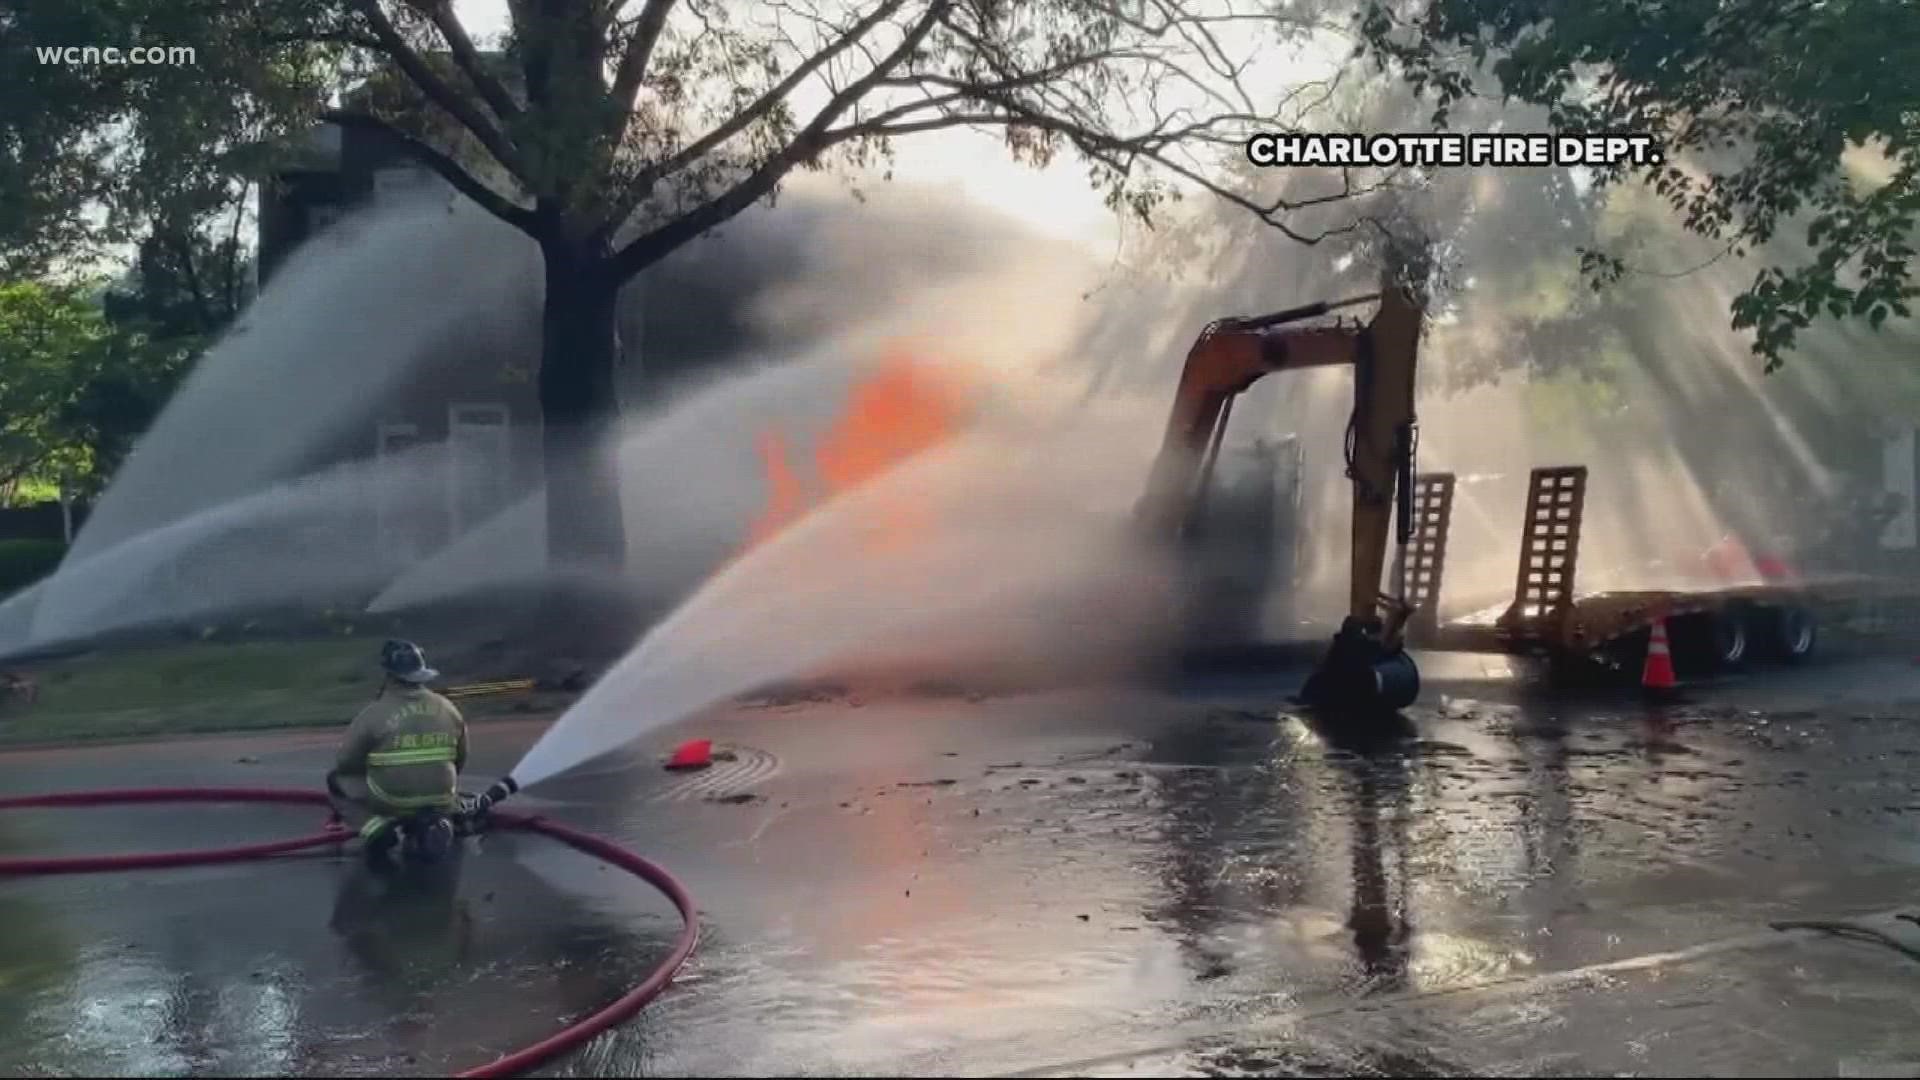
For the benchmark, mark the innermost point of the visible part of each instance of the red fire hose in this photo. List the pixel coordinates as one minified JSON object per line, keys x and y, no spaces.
{"x":569,"y":1038}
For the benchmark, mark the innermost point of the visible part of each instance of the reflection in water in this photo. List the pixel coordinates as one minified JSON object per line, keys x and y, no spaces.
{"x":1658,"y":735}
{"x":1273,"y":826}
{"x":1286,"y":871}
{"x":1250,"y":839}
{"x":516,"y":952}
{"x":36,"y":958}
{"x":407,"y":926}
{"x":1382,"y":932}
{"x":1547,"y":839}
{"x":1230,"y":826}
{"x":1374,"y":761}
{"x":306,"y":966}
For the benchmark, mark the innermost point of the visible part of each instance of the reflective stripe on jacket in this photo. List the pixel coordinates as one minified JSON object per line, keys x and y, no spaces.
{"x":410,"y":744}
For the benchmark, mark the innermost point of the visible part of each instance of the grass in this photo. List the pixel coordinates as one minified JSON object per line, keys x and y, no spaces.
{"x":207,"y":687}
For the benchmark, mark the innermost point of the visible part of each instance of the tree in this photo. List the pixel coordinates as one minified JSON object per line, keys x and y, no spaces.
{"x":186,"y":287}
{"x":51,"y":340}
{"x":1592,"y":372}
{"x":83,"y":371}
{"x":1768,"y":111}
{"x":633,"y":129}
{"x":191,"y":281}
{"x":93,"y":155}
{"x":86,"y":366}
{"x":613,"y":132}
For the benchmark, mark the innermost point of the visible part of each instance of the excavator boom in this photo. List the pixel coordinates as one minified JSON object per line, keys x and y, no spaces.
{"x":1233,"y":354}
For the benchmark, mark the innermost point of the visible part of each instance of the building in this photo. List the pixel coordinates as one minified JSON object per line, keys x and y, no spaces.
{"x":484,"y":408}
{"x":695,"y":312}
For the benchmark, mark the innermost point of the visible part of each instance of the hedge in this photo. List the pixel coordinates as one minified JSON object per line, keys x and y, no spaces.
{"x":23,"y":562}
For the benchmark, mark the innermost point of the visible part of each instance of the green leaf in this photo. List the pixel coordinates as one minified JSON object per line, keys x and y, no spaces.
{"x":1763,"y":100}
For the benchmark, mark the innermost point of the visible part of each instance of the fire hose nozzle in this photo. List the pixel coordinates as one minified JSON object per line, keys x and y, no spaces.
{"x":501,"y":788}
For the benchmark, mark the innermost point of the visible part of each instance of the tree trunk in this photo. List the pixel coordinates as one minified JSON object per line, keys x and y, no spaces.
{"x":579,"y":407}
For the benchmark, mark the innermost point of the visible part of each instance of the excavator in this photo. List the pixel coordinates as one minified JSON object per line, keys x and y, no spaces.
{"x":1367,"y":667}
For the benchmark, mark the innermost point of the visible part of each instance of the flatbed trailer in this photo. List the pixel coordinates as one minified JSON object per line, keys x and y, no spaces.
{"x":1713,"y":628}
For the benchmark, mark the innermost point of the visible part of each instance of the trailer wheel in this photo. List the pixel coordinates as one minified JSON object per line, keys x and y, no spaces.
{"x":1730,"y":640}
{"x":1789,"y":634}
{"x":1711,"y":641}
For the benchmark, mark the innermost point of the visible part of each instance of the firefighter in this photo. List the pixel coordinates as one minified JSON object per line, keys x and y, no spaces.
{"x":400,"y":762}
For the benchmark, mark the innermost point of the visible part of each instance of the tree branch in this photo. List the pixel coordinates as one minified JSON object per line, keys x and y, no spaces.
{"x":183,"y":250}
{"x":233,"y":251}
{"x":962,"y":88}
{"x":470,"y":62}
{"x":437,"y":91}
{"x":633,"y":63}
{"x":644,"y":181}
{"x":15,"y":475}
{"x":448,"y":169}
{"x":809,"y":143}
{"x":1116,"y":152}
{"x":330,"y":37}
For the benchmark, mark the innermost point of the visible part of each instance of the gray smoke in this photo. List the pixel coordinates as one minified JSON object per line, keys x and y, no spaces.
{"x":1524,"y":366}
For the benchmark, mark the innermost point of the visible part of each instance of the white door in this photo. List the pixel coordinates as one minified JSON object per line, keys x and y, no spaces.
{"x":399,"y":536}
{"x":479,"y":463}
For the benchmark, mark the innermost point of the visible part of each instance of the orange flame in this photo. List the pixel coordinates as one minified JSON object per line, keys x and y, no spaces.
{"x":786,"y":497}
{"x":900,"y":411}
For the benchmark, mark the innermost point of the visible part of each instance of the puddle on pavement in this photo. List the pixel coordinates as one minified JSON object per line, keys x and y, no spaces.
{"x":1203,"y":867}
{"x":306,"y":965}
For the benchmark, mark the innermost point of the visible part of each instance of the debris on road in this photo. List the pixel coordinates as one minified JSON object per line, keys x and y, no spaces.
{"x":693,"y":754}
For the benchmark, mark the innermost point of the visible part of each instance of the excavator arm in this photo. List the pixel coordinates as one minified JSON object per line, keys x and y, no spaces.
{"x":1227,"y":359}
{"x":1230,"y":356}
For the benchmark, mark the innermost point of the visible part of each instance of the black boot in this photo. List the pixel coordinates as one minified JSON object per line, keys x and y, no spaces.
{"x":379,"y":847}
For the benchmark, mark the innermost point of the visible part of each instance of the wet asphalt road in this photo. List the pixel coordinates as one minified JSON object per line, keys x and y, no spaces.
{"x":1112,"y":883}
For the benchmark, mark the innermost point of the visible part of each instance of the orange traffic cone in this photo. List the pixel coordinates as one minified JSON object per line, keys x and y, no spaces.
{"x":1658,"y":673}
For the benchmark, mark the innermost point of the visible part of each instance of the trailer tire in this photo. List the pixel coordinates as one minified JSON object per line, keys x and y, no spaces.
{"x":1710,"y":642}
{"x":1789,"y":634}
{"x":1732,"y":644}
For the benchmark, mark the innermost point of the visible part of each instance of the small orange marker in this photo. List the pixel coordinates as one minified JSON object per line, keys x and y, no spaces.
{"x":693,"y":754}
